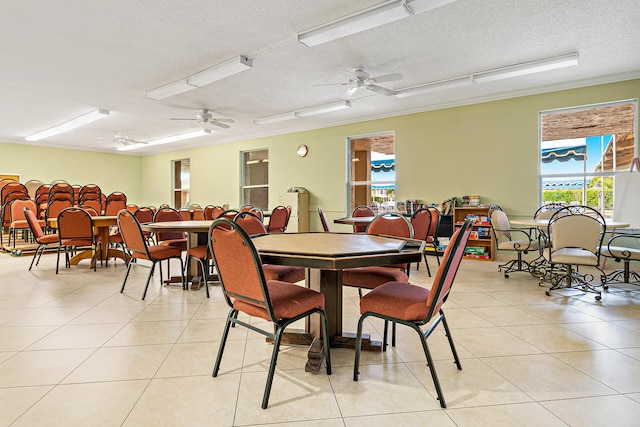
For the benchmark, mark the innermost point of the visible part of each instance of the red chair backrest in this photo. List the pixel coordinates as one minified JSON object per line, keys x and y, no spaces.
{"x":75,"y":223}
{"x":361,"y":211}
{"x":144,"y":215}
{"x":114,"y":206}
{"x":168,"y":214}
{"x":239,"y":268}
{"x":10,"y":187}
{"x":421,"y":221}
{"x":250,"y":223}
{"x":390,"y":224}
{"x":56,"y":206}
{"x":132,"y":235}
{"x":93,"y":203}
{"x":278,"y":220}
{"x":34,"y":225}
{"x":324,"y":221}
{"x":17,"y":209}
{"x":448,"y":268}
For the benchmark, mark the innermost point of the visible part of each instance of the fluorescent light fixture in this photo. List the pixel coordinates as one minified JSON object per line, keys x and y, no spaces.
{"x":203,"y":78}
{"x":328,"y":108}
{"x":527,"y":68}
{"x":132,"y":146}
{"x":434,"y":86}
{"x":372,"y":17}
{"x":219,"y":72}
{"x":171,"y":89}
{"x":275,"y":119}
{"x":342,"y":105}
{"x":71,"y":124}
{"x":180,"y":137}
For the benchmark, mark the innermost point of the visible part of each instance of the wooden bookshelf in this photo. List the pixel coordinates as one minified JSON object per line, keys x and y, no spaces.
{"x":481,"y":240}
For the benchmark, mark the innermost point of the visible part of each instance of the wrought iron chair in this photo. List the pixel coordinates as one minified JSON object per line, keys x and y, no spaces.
{"x":576,"y":234}
{"x":247,"y":290}
{"x":415,"y":306}
{"x":622,"y":246}
{"x":519,"y":240}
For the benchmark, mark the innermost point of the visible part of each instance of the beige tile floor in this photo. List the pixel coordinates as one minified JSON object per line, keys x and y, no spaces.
{"x":76,"y":352}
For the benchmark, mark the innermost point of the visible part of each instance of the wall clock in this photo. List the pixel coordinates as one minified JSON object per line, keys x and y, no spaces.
{"x":302,"y":150}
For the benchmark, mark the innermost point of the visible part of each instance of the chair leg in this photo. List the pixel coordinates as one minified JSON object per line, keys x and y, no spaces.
{"x":356,"y":364}
{"x":272,"y":366}
{"x":146,"y":286}
{"x":450,"y":338}
{"x":424,"y":255}
{"x":34,"y":257}
{"x":230,"y":320}
{"x":126,"y":276}
{"x":432,"y":368}
{"x":58,"y":260}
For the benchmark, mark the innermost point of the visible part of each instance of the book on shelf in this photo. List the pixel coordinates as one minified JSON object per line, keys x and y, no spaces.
{"x":472,"y":200}
{"x":474,"y":251}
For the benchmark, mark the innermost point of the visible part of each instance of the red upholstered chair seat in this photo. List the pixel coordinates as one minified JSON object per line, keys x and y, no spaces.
{"x":48,"y":238}
{"x":397,"y":299}
{"x":200,"y":252}
{"x":371,"y":277}
{"x":283,"y":273}
{"x":159,"y":252}
{"x":288,"y":301}
{"x":175,"y":243}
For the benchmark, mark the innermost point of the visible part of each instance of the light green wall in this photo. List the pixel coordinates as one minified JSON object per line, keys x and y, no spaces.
{"x":490,"y":149}
{"x":112,"y":172}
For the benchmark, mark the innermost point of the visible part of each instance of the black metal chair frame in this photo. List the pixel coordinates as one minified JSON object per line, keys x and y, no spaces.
{"x":570,"y":277}
{"x":431,"y":319}
{"x":279,"y":325}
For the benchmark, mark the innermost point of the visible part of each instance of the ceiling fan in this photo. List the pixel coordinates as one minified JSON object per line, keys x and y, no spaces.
{"x":204,"y":116}
{"x":361,"y":79}
{"x":122,"y":139}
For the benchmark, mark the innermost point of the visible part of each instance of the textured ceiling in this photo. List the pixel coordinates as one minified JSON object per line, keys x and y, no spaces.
{"x":65,"y":58}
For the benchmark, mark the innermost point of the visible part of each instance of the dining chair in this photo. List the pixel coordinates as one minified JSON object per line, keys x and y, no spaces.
{"x":174,"y":239}
{"x":115,"y":202}
{"x":43,"y":240}
{"x":278,"y":220}
{"x":139,"y":249}
{"x":416,"y":307}
{"x":425,"y":223}
{"x":576,"y":234}
{"x":519,"y":240}
{"x":324,"y":220}
{"x":247,"y":290}
{"x":54,"y":207}
{"x":622,"y":246}
{"x":75,"y":230}
{"x":361,"y":211}
{"x":253,"y":226}
{"x":17,"y":220}
{"x":386,"y":224}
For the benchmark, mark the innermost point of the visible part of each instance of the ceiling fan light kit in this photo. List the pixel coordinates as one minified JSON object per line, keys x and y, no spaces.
{"x":203,"y":78}
{"x":69,"y":125}
{"x":366,"y":19}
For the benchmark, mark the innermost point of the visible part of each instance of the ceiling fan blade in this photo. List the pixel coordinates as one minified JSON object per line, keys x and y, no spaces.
{"x":388,"y":78}
{"x":360,"y":74}
{"x":224,"y":120}
{"x":178,"y":118}
{"x":381,"y":90}
{"x":217,"y":123}
{"x":348,"y":94}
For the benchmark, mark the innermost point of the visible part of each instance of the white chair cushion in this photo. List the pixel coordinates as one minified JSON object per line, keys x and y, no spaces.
{"x":620,"y":252}
{"x":573,"y":256}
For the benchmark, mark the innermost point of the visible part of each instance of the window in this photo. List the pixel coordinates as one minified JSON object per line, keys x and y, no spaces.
{"x":255,"y":178}
{"x":181,"y":183}
{"x":372,"y":177}
{"x":582,"y":150}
